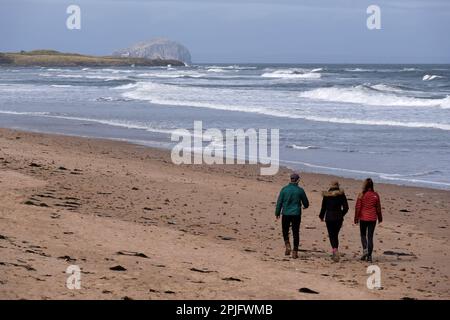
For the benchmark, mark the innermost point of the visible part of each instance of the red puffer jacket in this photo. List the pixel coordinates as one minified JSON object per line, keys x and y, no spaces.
{"x":368,"y":207}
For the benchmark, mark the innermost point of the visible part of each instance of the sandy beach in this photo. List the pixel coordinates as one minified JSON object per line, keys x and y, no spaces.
{"x":140,"y":227}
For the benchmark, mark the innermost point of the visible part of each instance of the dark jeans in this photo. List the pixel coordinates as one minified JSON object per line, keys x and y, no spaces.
{"x":286,"y":222}
{"x":333,"y":228}
{"x":367,"y":229}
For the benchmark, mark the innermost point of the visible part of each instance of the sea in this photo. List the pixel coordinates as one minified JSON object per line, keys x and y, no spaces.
{"x":388,"y":122}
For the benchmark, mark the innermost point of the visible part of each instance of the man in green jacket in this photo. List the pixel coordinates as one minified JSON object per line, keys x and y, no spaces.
{"x":289,"y":205}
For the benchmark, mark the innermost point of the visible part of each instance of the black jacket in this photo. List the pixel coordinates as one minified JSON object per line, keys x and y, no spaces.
{"x":334,"y":205}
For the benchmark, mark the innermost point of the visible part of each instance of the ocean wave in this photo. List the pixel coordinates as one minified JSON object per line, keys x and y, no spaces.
{"x":215,"y":70}
{"x":429,"y":77}
{"x":66,"y":75}
{"x":387,"y":123}
{"x":57,"y":70}
{"x":61,"y":86}
{"x":222,"y":69}
{"x":170,"y":75}
{"x":232,"y":67}
{"x":126,"y":86}
{"x":291,"y":74}
{"x":385,"y":176}
{"x":417,"y":174}
{"x":362,"y":95}
{"x":243,"y":101}
{"x":117,"y":70}
{"x":297,"y":147}
{"x":359,"y":70}
{"x":116,"y":123}
{"x":386,"y":88}
{"x":112,"y":99}
{"x":24,"y":113}
{"x":409,"y":69}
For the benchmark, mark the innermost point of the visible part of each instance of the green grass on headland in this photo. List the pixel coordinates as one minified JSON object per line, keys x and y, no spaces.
{"x":52,"y":58}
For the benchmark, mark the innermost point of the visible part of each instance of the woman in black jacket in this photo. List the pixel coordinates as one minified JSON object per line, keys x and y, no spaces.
{"x":334,"y":208}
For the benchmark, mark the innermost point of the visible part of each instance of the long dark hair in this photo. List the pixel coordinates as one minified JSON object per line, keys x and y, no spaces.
{"x":368,"y":185}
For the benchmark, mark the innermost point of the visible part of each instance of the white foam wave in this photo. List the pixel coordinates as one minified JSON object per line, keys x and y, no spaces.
{"x":170,"y":75}
{"x":125,"y":86}
{"x":297,"y":147}
{"x":100,"y":77}
{"x":218,"y":70}
{"x":291,"y":74}
{"x":359,"y":70}
{"x":384,"y":87}
{"x":57,"y":70}
{"x":61,"y":86}
{"x":385,"y":176}
{"x":117,"y":70}
{"x":429,"y":77}
{"x":407,"y":124}
{"x":24,"y":113}
{"x":417,"y":174}
{"x":115,"y":123}
{"x":67,"y":76}
{"x":112,"y":99}
{"x":365,"y":96}
{"x":232,"y":67}
{"x":242,"y":101}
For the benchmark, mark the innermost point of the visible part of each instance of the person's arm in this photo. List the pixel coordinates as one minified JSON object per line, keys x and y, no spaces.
{"x":279,"y":206}
{"x":379,"y":214}
{"x":304,"y":200}
{"x":322,"y":210}
{"x":358,"y":208}
{"x":344,"y":205}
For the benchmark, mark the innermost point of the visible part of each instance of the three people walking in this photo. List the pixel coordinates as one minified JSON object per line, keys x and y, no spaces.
{"x":333,"y":210}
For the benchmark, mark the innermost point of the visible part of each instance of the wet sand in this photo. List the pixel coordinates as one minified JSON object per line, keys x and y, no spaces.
{"x":194,"y":232}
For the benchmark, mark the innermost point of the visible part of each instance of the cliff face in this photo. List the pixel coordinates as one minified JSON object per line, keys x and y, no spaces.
{"x":157,"y":49}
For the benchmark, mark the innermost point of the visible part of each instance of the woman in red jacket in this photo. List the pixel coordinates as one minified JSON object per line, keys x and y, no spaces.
{"x":367,"y":212}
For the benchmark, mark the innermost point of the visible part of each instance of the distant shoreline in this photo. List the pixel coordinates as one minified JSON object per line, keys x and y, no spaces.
{"x":52,"y":58}
{"x":284,"y":165}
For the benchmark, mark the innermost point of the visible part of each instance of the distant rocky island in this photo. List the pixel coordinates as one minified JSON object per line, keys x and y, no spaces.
{"x":159,"y":48}
{"x":52,"y":58}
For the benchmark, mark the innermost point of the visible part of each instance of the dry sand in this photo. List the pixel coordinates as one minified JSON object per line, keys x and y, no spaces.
{"x":194,"y":232}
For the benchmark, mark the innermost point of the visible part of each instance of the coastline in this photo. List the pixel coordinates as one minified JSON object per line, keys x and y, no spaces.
{"x":284,"y":164}
{"x":87,"y":199}
{"x":52,"y":58}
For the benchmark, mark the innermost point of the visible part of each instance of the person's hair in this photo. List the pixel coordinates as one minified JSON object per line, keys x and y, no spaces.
{"x":334,"y":184}
{"x":368,"y":185}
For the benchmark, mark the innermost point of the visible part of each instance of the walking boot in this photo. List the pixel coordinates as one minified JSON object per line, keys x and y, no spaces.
{"x":335,"y":255}
{"x":288,"y":248}
{"x":364,"y":256}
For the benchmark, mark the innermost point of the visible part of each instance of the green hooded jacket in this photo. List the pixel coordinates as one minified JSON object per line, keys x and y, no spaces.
{"x":290,"y":200}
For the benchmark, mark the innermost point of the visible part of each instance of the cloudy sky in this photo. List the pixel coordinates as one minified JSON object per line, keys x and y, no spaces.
{"x":290,"y":31}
